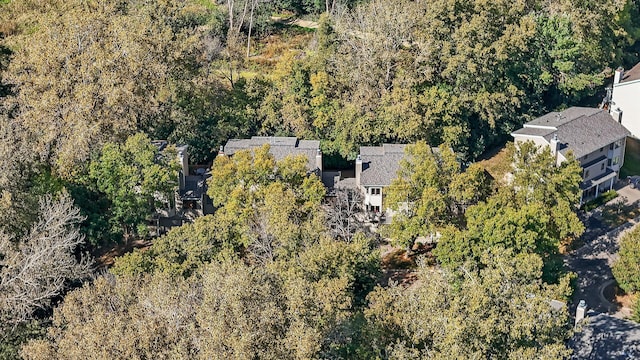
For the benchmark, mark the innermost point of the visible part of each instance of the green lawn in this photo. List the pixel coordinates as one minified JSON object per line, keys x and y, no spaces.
{"x":631,"y":159}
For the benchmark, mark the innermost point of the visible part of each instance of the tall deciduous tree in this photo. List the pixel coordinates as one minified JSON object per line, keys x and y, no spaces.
{"x":99,"y":71}
{"x":502,"y":311}
{"x":272,"y":207}
{"x":627,"y":268}
{"x":343,"y":213}
{"x":431,"y":191}
{"x":292,"y":309}
{"x":135,"y":177}
{"x":403,"y":70}
{"x":535,"y":213}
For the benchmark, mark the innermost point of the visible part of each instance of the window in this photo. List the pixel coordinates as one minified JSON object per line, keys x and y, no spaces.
{"x":616,"y":160}
{"x":611,"y":146}
{"x":602,"y":166}
{"x":375,"y":191}
{"x":601,"y":149}
{"x":586,"y":174}
{"x":609,"y":162}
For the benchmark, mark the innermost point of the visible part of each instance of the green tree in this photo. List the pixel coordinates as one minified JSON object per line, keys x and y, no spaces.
{"x":129,"y":317}
{"x":534,"y":213}
{"x":273,"y":207}
{"x":627,"y":268}
{"x":293,"y":309}
{"x":430,"y":192}
{"x":85,"y":72}
{"x":181,"y":252}
{"x":389,"y":71}
{"x":502,"y":311}
{"x":136,"y":178}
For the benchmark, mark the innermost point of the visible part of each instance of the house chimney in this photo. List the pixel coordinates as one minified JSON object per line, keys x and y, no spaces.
{"x":555,"y":146}
{"x":358,"y":169}
{"x":618,"y":75}
{"x":183,"y":157}
{"x":617,"y":115}
{"x":221,"y":151}
{"x":319,"y":160}
{"x":581,"y":311}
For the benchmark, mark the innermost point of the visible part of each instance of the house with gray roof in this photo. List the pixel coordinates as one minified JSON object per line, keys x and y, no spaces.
{"x":281,"y":147}
{"x":623,"y":104}
{"x":602,"y":336}
{"x":595,"y":139}
{"x":376,"y":167}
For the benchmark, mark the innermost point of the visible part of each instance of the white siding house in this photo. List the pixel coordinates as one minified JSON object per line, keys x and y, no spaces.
{"x":591,"y":135}
{"x":624,"y":105}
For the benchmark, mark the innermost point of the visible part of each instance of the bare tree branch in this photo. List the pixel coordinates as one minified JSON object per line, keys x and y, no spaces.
{"x":41,"y":265}
{"x":342,"y":214}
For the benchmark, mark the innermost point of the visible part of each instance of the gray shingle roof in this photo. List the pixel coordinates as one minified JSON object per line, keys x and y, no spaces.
{"x":580,"y":130}
{"x":603,"y":336}
{"x":280,"y":147}
{"x":380,"y":164}
{"x":555,"y":119}
{"x":533,"y":131}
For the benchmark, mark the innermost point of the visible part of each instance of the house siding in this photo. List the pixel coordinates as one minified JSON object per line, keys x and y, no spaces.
{"x":625,"y":98}
{"x":600,"y":166}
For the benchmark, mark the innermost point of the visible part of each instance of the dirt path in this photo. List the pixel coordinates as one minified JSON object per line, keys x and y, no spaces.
{"x":305,"y":23}
{"x":104,"y":257}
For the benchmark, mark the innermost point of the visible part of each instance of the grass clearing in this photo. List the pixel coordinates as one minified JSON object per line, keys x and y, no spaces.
{"x":631,"y":159}
{"x":496,"y":162}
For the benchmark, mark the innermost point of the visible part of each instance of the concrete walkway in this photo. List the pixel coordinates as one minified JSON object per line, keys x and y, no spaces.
{"x":592,"y":262}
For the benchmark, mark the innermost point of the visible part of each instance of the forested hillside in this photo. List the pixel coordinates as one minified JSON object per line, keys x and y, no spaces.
{"x":85,"y":85}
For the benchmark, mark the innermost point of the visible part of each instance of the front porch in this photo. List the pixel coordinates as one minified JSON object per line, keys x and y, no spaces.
{"x":593,"y":188}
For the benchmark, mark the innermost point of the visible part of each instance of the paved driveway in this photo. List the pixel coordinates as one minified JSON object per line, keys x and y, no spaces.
{"x":592,"y":262}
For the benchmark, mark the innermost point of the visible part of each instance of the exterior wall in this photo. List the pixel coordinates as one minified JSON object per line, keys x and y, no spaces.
{"x":371,"y":199}
{"x":376,"y":200}
{"x":625,"y":97}
{"x":594,"y":170}
{"x":538,"y":140}
{"x":592,"y":156}
{"x":560,"y":159}
{"x":616,"y":154}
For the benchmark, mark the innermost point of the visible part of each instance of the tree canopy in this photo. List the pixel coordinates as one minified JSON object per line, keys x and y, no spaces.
{"x":431,"y":191}
{"x":42,"y":265}
{"x":502,"y":311}
{"x":277,"y":271}
{"x":627,"y":268}
{"x":534,"y":213}
{"x":136,"y":178}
